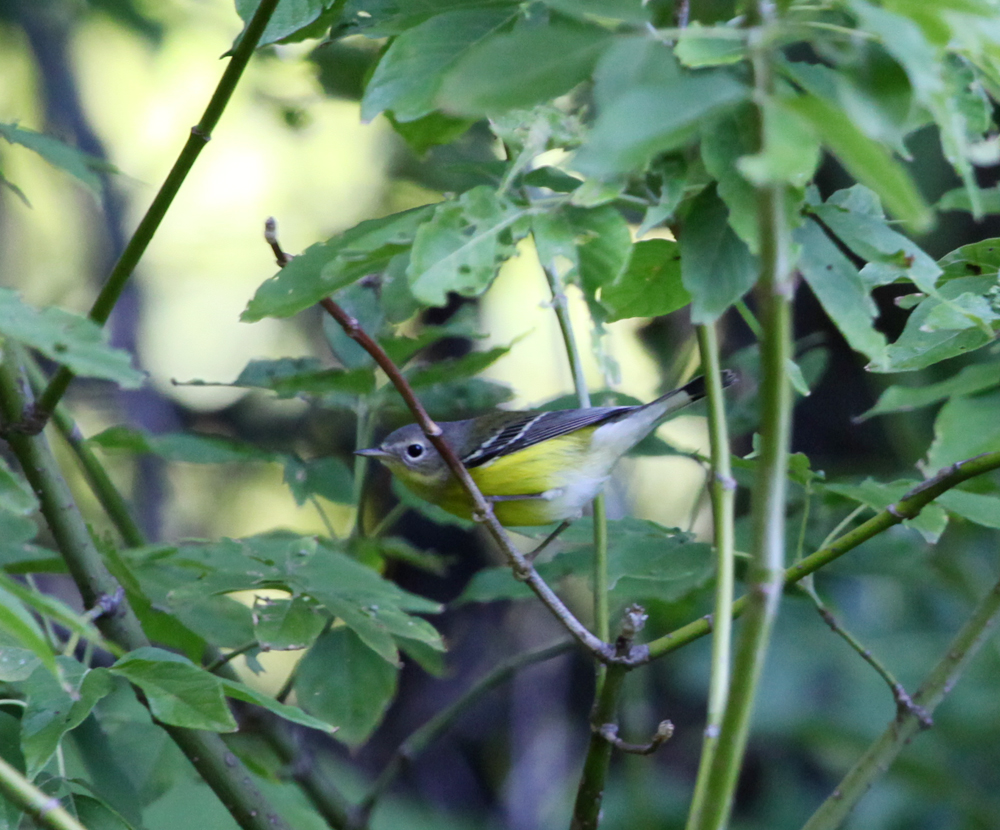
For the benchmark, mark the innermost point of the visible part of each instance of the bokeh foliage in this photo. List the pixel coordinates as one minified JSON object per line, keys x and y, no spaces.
{"x":620,"y":146}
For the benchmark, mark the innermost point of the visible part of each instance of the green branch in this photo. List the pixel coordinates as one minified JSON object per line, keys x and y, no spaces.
{"x":44,"y":809}
{"x":590,"y":794}
{"x":223,"y":772}
{"x":201,"y":134}
{"x":908,"y":507}
{"x":901,"y":731}
{"x":602,"y":619}
{"x":723,"y":492}
{"x":100,"y":482}
{"x":766,"y":575}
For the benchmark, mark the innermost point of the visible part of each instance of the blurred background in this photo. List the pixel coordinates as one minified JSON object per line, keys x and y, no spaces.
{"x":125,"y":80}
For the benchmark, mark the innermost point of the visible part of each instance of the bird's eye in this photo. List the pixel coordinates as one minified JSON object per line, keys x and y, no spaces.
{"x":415,"y":450}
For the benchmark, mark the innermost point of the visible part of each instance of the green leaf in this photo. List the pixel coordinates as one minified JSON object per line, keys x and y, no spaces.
{"x":54,"y":609}
{"x":512,"y":70}
{"x":180,"y":446}
{"x":463,"y":245}
{"x":945,"y":87}
{"x":326,"y":382}
{"x":645,"y":561}
{"x":374,"y":607}
{"x":96,"y":814}
{"x":17,"y":664}
{"x":286,"y":624}
{"x":408,"y":77}
{"x":978,"y":259}
{"x":791,"y":152}
{"x":841,"y":291}
{"x":604,"y":245}
{"x":329,"y":266}
{"x":725,"y":139}
{"x":24,"y":558}
{"x":66,"y":338}
{"x":458,"y":368}
{"x":493,"y":584}
{"x":458,"y":399}
{"x":82,"y":166}
{"x":341,"y":681}
{"x":18,"y":625}
{"x":264,"y":374}
{"x":966,"y":426}
{"x":327,"y":477}
{"x":596,"y":242}
{"x":179,"y":693}
{"x":867,"y":160}
{"x":663,"y":108}
{"x":650,"y":285}
{"x":976,"y":507}
{"x":717,"y":268}
{"x":971,"y":379}
{"x":431,"y":130}
{"x":961,"y":312}
{"x":878,"y":495}
{"x":917,"y":347}
{"x":630,"y":11}
{"x":55,"y":707}
{"x":288,"y":19}
{"x":293,"y":714}
{"x":16,"y":495}
{"x":958,"y":199}
{"x":697,"y":48}
{"x":855,"y":217}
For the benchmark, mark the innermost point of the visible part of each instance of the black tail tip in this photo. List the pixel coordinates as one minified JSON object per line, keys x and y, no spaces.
{"x":696,"y":388}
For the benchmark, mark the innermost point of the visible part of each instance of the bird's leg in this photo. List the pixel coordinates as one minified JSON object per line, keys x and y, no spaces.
{"x":548,"y":540}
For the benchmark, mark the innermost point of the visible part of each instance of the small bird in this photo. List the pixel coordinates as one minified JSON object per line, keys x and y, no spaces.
{"x":536,"y":467}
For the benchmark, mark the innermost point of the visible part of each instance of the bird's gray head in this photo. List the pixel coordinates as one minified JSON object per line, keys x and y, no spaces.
{"x":408,"y":453}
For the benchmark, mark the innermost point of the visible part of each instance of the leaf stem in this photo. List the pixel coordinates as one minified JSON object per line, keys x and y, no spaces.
{"x":200,"y":135}
{"x":723,"y":494}
{"x":46,"y":810}
{"x":940,"y":681}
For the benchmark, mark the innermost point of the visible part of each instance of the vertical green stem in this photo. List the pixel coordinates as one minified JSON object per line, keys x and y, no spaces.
{"x":587,"y":809}
{"x":880,"y":755}
{"x":362,"y":437}
{"x":602,"y":622}
{"x":723,"y":493}
{"x":100,"y":482}
{"x":200,"y":135}
{"x":222,"y":770}
{"x":774,"y":293}
{"x":44,"y":809}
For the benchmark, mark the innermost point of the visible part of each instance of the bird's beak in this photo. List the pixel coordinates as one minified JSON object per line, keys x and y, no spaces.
{"x":374,"y":452}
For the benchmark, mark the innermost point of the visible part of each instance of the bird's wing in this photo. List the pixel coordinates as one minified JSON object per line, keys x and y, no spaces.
{"x":536,"y":427}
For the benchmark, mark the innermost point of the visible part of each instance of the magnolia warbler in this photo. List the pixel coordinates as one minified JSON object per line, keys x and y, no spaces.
{"x":535,"y":467}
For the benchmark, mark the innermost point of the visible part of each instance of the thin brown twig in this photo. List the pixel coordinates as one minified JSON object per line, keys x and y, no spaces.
{"x":664,"y":732}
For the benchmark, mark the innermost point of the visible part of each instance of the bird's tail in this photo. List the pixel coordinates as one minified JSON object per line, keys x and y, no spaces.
{"x":690,"y":392}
